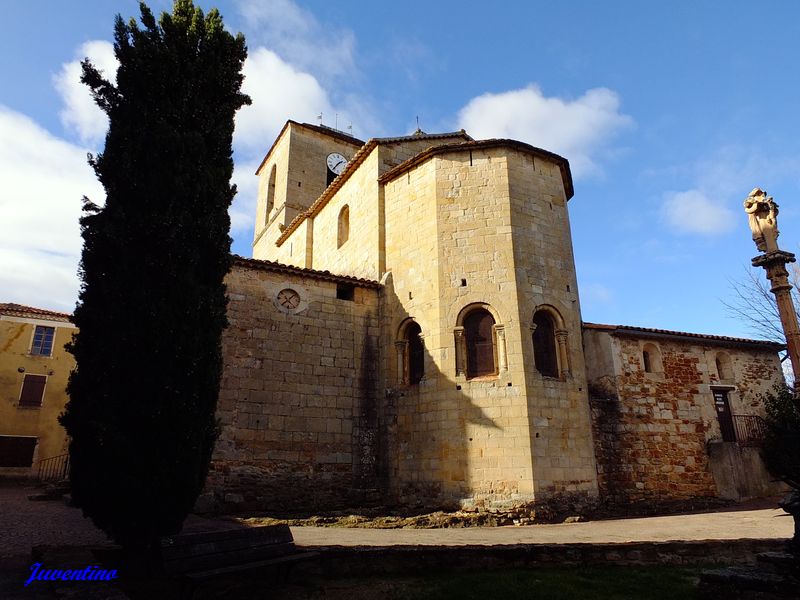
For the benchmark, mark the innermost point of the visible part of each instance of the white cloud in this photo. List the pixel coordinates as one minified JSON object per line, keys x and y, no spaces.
{"x":717,"y":185}
{"x":295,"y":70}
{"x":243,"y":209}
{"x":576,"y":129}
{"x":281,"y":25}
{"x":279,"y":92}
{"x":80,"y":114}
{"x":44,"y":179}
{"x":693,"y":211}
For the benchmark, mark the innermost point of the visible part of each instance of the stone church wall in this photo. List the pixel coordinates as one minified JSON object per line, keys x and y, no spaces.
{"x":358,"y":256}
{"x":653,"y":432}
{"x":298,"y":400}
{"x":507,"y":439}
{"x":558,"y":412}
{"x":459,"y":440}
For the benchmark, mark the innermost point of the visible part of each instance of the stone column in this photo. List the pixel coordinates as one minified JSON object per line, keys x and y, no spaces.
{"x":402,"y":352}
{"x":775,"y":265}
{"x":502,"y":358}
{"x":461,"y":351}
{"x":563,"y":352}
{"x":762,"y":214}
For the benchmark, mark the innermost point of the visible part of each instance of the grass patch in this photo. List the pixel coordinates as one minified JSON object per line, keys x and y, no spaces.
{"x":598,"y":583}
{"x":558,"y":583}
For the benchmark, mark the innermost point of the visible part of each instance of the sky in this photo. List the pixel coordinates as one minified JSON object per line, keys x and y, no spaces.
{"x":670,"y":113}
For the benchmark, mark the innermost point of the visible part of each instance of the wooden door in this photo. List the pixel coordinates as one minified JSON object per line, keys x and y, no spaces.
{"x":724,"y":416}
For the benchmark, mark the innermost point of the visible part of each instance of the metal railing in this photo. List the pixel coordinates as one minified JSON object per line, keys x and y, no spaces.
{"x":54,"y":468}
{"x":750,"y":429}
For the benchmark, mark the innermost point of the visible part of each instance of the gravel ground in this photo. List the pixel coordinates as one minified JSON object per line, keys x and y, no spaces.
{"x":24,"y":524}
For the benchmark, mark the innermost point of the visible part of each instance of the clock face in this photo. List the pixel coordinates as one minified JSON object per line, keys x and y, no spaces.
{"x":288,"y":299}
{"x":336,"y":163}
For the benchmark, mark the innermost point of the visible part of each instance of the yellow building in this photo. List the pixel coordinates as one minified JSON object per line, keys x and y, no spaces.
{"x":34,"y":368}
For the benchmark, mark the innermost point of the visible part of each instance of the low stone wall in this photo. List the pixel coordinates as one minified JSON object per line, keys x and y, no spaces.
{"x":740,"y":472}
{"x":365,"y":560}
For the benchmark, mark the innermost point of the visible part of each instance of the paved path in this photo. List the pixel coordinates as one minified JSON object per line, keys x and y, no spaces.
{"x":754,"y":524}
{"x":24,"y":524}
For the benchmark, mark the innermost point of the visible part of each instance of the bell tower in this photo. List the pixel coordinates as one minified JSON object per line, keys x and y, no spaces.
{"x":296,"y":170}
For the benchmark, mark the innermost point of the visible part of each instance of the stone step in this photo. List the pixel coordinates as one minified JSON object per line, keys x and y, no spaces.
{"x":748,"y":582}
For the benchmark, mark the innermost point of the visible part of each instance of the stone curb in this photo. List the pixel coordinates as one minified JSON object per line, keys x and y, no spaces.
{"x":375,"y":560}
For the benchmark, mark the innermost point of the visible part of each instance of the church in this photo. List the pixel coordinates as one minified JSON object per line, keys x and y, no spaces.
{"x":408,"y":332}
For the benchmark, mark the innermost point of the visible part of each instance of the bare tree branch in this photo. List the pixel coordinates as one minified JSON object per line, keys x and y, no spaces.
{"x":751,"y":301}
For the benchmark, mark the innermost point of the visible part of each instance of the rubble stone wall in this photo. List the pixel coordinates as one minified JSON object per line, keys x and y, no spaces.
{"x":651,"y":429}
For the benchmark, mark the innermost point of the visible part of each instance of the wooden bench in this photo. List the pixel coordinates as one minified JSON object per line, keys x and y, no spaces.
{"x":199,"y":556}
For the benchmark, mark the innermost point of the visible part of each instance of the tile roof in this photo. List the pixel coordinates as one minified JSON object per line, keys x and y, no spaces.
{"x":358,"y":158}
{"x":562,"y":162}
{"x":708,"y":338}
{"x":268,"y":265}
{"x":20,"y":310}
{"x":421,"y":135}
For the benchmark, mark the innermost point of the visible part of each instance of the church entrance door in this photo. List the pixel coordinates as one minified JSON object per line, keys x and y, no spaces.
{"x":724,"y":416}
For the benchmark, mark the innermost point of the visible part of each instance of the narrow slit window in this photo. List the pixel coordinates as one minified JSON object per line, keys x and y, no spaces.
{"x":651,"y":359}
{"x":270,"y":194}
{"x":344,"y":226}
{"x":724,"y":367}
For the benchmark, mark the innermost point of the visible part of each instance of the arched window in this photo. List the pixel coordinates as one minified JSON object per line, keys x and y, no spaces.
{"x":479,"y":338}
{"x":545,"y":350}
{"x":344,"y":226}
{"x":410,"y":353}
{"x":270,"y":195}
{"x":415,"y":353}
{"x":651,"y":359}
{"x":724,"y":367}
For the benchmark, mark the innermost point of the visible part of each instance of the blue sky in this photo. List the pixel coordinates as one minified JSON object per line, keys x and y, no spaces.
{"x":670,"y":113}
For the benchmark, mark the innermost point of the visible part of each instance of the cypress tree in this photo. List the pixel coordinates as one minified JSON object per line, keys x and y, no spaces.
{"x":152,"y":304}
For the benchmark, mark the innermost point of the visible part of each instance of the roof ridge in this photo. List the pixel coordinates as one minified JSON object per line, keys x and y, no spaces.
{"x":707,"y":336}
{"x":15,"y":308}
{"x":351,"y":166}
{"x":421,"y":135}
{"x":323,"y":129}
{"x":420,"y":157}
{"x":269,"y":265}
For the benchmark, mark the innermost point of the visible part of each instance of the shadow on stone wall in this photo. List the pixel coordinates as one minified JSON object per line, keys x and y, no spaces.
{"x":424,"y":447}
